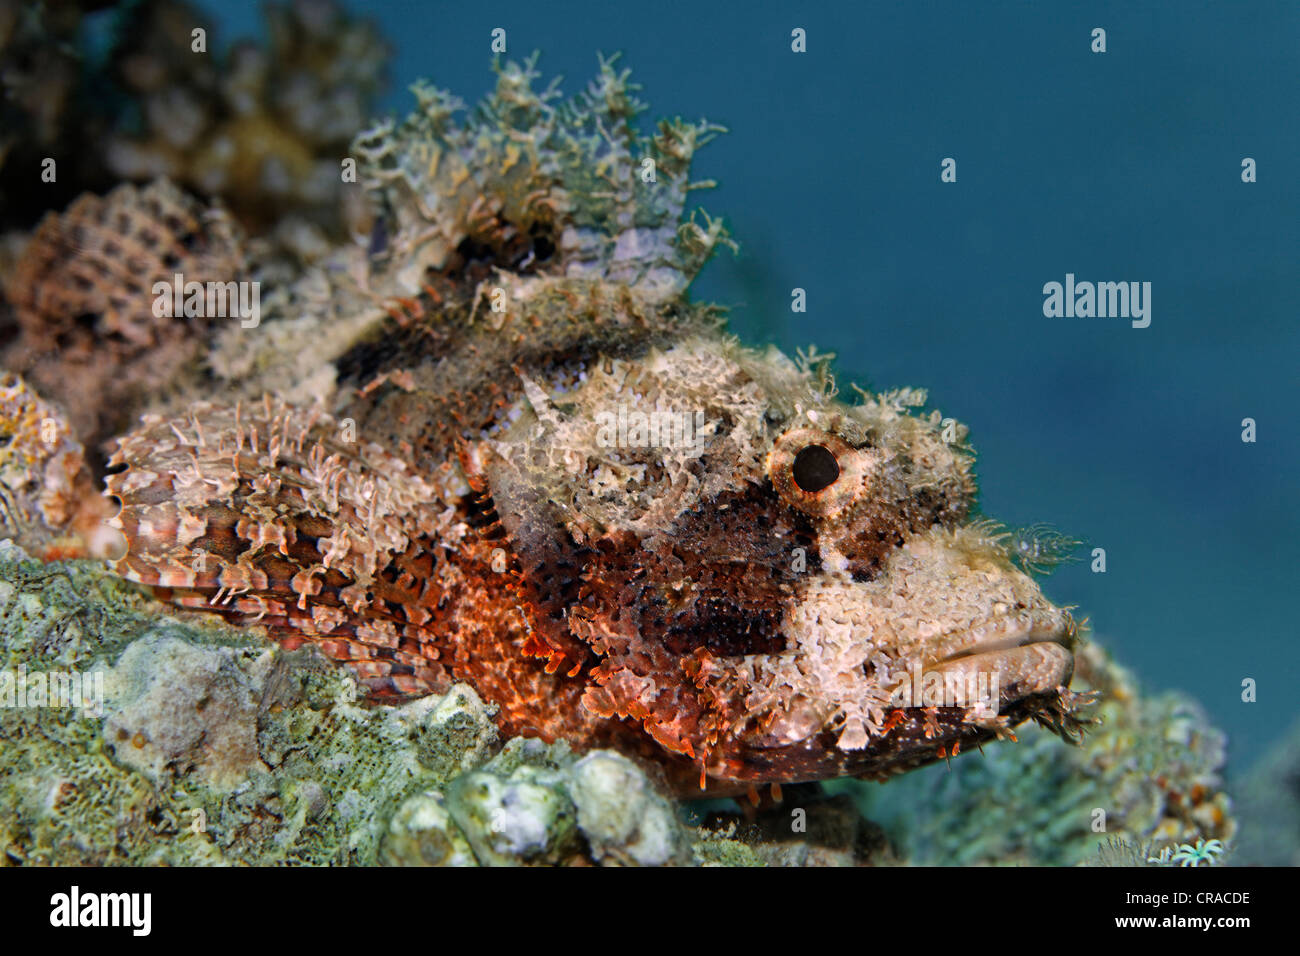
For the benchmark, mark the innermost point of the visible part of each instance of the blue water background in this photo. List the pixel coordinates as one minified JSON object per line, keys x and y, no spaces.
{"x":1116,"y":166}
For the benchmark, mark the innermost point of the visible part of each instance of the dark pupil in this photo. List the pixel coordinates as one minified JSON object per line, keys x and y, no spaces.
{"x":815,"y":468}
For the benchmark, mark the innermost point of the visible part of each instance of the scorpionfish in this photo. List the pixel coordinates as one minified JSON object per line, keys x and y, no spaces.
{"x":493,"y":440}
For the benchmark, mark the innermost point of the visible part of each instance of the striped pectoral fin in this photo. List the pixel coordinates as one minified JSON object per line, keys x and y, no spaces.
{"x":389,"y":655}
{"x":264,"y":515}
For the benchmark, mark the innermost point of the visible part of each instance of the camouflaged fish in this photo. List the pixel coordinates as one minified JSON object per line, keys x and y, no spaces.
{"x":495,"y":441}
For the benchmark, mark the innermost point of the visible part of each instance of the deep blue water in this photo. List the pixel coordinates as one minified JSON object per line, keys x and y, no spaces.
{"x":1122,"y":166}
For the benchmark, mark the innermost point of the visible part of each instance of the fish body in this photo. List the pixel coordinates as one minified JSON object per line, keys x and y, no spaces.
{"x":540,"y":468}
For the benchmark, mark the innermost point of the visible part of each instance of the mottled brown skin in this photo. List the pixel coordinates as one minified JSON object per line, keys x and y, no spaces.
{"x":641,"y":638}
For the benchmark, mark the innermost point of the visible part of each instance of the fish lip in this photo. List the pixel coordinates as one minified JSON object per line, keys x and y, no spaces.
{"x":1032,"y":651}
{"x":1064,"y":633}
{"x":1043,"y":625}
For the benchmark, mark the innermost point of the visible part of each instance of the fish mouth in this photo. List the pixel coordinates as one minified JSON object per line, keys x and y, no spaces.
{"x":1004,"y":669}
{"x":1022,"y":653}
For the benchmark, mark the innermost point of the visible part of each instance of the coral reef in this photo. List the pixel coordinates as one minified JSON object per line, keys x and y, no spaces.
{"x":1146,"y":777}
{"x":807,"y":827}
{"x":263,"y":127}
{"x":48,"y":502}
{"x":38,"y":71}
{"x":45,"y":108}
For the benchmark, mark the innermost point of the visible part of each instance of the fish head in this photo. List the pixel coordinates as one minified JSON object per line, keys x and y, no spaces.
{"x":773,"y":583}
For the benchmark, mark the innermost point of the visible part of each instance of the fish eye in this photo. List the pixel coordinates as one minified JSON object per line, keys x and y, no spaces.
{"x":817,"y":472}
{"x":815,"y":468}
